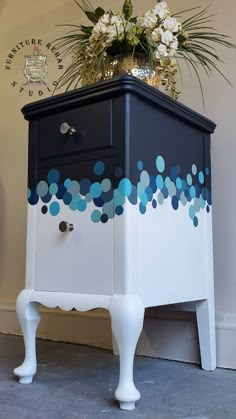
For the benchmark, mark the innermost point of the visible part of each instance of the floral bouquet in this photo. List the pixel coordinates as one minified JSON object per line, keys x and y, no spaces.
{"x":158,"y":36}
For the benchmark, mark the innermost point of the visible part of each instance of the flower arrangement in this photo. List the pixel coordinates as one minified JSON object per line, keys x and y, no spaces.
{"x":158,"y":35}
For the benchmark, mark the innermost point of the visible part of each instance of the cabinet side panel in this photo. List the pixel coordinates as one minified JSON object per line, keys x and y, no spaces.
{"x":170,"y":169}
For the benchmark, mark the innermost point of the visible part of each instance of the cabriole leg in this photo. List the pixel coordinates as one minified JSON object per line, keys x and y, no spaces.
{"x":127,"y":314}
{"x":29,"y":318}
{"x":206,"y":331}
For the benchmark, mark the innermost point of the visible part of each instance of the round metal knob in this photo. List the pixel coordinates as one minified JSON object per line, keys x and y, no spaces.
{"x":65,"y":226}
{"x":67,"y":129}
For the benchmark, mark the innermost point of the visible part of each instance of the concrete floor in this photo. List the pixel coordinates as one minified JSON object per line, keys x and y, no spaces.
{"x":76,"y":381}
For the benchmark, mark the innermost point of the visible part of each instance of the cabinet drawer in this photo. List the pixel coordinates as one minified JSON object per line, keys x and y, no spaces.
{"x":93,"y":131}
{"x":80,"y":260}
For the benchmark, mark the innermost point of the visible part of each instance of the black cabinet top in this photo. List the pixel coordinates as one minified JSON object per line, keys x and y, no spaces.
{"x":108,"y":89}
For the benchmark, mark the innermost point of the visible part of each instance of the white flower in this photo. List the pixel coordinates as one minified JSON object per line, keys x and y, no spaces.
{"x":161,"y":51}
{"x":162,"y":10}
{"x":116,"y":20}
{"x":149,"y":19}
{"x":167,"y":37}
{"x":100,"y":28}
{"x":171,"y":24}
{"x":174,"y":44}
{"x":105,"y":19}
{"x":155,"y":36}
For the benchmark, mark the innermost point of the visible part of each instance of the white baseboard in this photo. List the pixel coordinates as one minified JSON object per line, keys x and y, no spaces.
{"x":168,"y":333}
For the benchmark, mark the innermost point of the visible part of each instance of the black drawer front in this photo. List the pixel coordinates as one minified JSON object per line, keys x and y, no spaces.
{"x":93,"y":131}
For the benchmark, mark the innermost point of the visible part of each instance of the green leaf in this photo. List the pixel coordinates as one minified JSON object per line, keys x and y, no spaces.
{"x":92,"y":16}
{"x":99,"y":12}
{"x":127,"y":9}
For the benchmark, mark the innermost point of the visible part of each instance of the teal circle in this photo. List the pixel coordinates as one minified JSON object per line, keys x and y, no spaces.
{"x":167,"y":181}
{"x":88,"y":197}
{"x":207,"y":171}
{"x":197,"y":204}
{"x":194,"y":169}
{"x":96,"y":216}
{"x":172,"y":189}
{"x":125,"y":187}
{"x":160,"y":198}
{"x":201,"y":177}
{"x":160,"y":164}
{"x":140,"y":165}
{"x":42,"y":188}
{"x":82,"y":205}
{"x":159,"y":182}
{"x":95,"y":190}
{"x":189,"y":179}
{"x":183,"y":199}
{"x":178,"y":183}
{"x":99,"y":168}
{"x":144,"y":199}
{"x":106,"y":185}
{"x":108,"y":208}
{"x":74,"y":202}
{"x":28,"y":193}
{"x":192,"y":192}
{"x":54,"y":208}
{"x":67,"y":183}
{"x":192,"y":212}
{"x":145,"y":178}
{"x":140,"y":189}
{"x":53,"y":189}
{"x":73,"y":187}
{"x":119,"y":198}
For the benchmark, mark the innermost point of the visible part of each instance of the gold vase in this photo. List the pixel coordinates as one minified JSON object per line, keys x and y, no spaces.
{"x":137,"y":65}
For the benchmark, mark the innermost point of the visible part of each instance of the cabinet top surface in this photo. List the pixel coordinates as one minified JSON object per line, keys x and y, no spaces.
{"x":107,"y":90}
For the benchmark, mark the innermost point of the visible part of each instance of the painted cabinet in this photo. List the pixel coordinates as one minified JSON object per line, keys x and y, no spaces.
{"x":119,"y":214}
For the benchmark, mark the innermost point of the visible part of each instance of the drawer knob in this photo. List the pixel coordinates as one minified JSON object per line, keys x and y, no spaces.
{"x":67,"y":129}
{"x":65,"y":226}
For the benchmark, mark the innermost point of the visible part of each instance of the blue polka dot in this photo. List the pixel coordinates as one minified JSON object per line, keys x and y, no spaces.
{"x":119,"y":210}
{"x":99,"y":168}
{"x":201,"y":177}
{"x":96,"y":189}
{"x":125,"y":187}
{"x":96,"y":216}
{"x":82,"y":205}
{"x":28,"y":192}
{"x":53,"y":176}
{"x":154,"y":203}
{"x":140,"y":165}
{"x":144,"y":199}
{"x":54,"y":208}
{"x":142,"y":208}
{"x":195,"y":221}
{"x":160,"y":164}
{"x":207,"y":171}
{"x":67,"y":198}
{"x":175,"y":202}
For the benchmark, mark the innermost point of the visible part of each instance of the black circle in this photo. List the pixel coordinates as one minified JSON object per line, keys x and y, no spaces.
{"x":44,"y":209}
{"x":104,"y":218}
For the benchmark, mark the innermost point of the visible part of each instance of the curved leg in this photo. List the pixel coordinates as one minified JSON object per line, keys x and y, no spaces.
{"x":127,"y":314}
{"x":29,"y":318}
